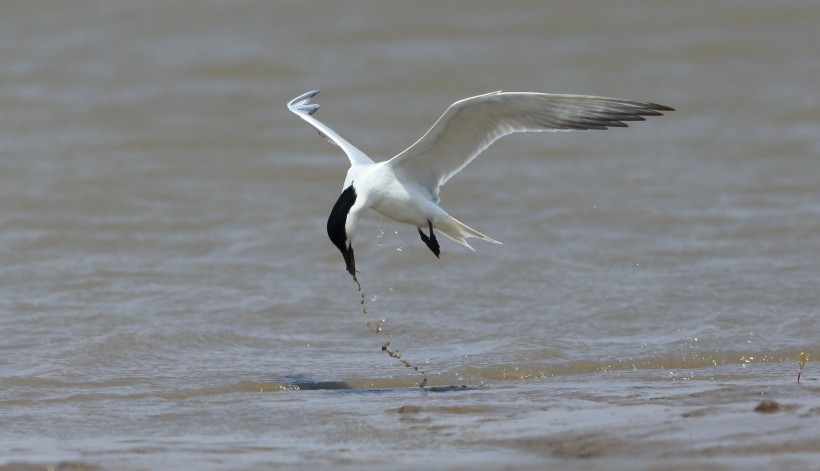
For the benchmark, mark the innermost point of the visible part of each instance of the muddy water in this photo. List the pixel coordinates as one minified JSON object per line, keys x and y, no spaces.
{"x":169,"y":298}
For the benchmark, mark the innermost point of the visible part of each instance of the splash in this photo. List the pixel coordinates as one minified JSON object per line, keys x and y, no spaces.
{"x":375,"y":327}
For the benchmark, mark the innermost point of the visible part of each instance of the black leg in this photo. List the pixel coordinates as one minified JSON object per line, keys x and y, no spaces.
{"x":431,"y":241}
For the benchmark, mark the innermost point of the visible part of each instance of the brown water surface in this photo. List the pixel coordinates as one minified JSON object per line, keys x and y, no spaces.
{"x":169,"y":298}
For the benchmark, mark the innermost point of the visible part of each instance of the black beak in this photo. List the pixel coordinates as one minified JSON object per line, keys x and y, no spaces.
{"x":350,"y":261}
{"x":336,"y":227}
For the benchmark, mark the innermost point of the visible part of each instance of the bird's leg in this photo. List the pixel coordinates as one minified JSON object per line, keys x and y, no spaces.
{"x":431,"y":241}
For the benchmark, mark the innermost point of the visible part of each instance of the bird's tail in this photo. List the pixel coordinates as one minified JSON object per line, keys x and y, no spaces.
{"x":455,"y":230}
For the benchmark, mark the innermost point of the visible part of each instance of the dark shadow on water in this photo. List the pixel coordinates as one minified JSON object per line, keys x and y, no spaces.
{"x":430,"y":389}
{"x":319,"y":385}
{"x":303,"y":384}
{"x":463,"y":387}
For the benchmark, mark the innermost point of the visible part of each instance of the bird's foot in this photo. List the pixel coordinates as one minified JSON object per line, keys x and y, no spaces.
{"x":431,"y":241}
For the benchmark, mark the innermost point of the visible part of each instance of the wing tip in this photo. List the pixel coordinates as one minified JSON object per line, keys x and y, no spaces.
{"x":657,"y":107}
{"x":301,"y":104}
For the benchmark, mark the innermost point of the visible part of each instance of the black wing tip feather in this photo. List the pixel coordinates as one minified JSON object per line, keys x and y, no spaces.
{"x":637,"y":112}
{"x":657,"y":107}
{"x":650,"y":109}
{"x":612,"y":118}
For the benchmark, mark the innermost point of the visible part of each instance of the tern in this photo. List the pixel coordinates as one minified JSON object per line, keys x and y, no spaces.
{"x":406,"y":187}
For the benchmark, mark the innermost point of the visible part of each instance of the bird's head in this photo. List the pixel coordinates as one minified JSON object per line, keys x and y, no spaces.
{"x":337,"y":227}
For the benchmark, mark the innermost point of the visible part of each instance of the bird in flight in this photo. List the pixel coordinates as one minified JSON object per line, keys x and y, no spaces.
{"x":406,"y":187}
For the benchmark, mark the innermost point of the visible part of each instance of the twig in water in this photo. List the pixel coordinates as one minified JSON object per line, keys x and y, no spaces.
{"x":804,"y":357}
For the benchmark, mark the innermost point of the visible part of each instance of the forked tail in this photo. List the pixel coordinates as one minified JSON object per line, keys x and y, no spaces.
{"x":459,"y":232}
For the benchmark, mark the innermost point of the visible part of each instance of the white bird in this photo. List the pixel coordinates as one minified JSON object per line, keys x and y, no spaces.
{"x":406,"y":187}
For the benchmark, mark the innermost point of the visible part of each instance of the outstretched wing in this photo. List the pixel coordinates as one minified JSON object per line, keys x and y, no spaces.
{"x":302,"y":107}
{"x":469,"y":126}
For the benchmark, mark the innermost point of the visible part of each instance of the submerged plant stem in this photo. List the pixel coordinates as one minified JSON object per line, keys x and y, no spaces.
{"x":804,"y":357}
